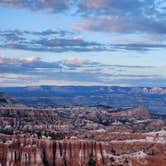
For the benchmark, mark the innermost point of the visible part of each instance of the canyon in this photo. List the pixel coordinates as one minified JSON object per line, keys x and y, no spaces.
{"x":80,"y":136}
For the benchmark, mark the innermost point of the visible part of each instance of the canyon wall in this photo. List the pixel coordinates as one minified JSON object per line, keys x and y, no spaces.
{"x":23,"y":151}
{"x":51,"y":153}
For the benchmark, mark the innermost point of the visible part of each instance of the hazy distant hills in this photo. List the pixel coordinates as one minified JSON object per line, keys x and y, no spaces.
{"x":7,"y":101}
{"x":51,"y":96}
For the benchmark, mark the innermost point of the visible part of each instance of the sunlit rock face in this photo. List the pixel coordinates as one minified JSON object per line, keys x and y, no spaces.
{"x":51,"y":153}
{"x":21,"y":151}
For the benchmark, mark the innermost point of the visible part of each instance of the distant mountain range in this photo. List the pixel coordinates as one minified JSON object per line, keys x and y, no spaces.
{"x":52,"y":96}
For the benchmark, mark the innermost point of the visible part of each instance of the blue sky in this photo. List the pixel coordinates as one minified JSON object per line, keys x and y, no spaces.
{"x":83,"y":42}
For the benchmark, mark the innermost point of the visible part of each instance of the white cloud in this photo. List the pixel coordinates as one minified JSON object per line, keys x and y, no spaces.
{"x":73,"y":61}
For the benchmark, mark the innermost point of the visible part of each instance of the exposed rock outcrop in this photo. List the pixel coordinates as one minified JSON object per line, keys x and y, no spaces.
{"x":33,"y":152}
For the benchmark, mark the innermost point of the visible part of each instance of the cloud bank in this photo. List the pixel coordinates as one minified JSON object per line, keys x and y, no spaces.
{"x":48,"y":40}
{"x":34,"y":71}
{"x":49,"y":5}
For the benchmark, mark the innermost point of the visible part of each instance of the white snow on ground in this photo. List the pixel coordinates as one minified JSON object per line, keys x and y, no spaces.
{"x":161,"y":133}
{"x":151,"y":139}
{"x":138,"y":154}
{"x":142,"y":121}
{"x":116,"y":123}
{"x":100,"y":130}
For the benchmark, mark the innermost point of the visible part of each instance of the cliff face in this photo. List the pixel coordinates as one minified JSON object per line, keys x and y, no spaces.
{"x":51,"y":153}
{"x":23,"y":151}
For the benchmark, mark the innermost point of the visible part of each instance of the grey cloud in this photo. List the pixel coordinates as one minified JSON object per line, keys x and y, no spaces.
{"x":23,"y":80}
{"x":50,"y":48}
{"x":73,"y":76}
{"x":32,"y":70}
{"x":124,"y":16}
{"x":49,"y":32}
{"x":87,"y":6}
{"x":33,"y":65}
{"x":35,"y":5}
{"x":58,"y":41}
{"x":141,"y":82}
{"x":116,"y":7}
{"x":38,"y":70}
{"x":122,"y":24}
{"x":138,"y":46}
{"x":28,"y":65}
{"x":13,"y":34}
{"x":135,"y":76}
{"x":40,"y":42}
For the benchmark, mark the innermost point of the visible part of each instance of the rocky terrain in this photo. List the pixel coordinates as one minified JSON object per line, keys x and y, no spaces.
{"x":80,"y":136}
{"x":79,"y":152}
{"x":72,"y":120}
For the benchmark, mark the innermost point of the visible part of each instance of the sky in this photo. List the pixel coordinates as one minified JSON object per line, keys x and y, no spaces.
{"x":83,"y":42}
